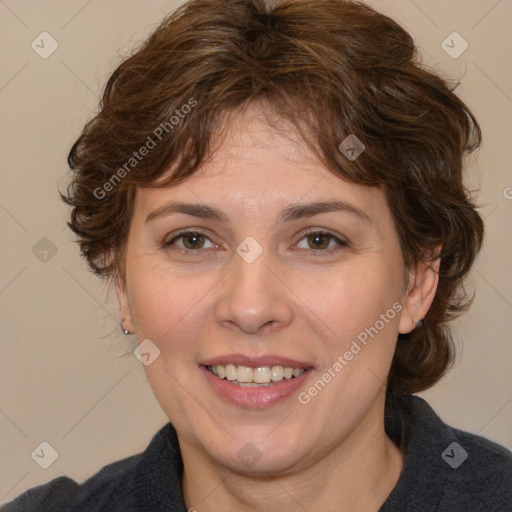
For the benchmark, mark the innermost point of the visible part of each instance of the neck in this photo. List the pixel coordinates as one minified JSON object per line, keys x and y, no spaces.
{"x":357,"y":477}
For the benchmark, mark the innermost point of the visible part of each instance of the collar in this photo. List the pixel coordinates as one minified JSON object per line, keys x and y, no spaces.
{"x":409,"y":421}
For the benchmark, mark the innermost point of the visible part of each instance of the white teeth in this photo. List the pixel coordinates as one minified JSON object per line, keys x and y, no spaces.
{"x":277,"y":373}
{"x":244,"y":374}
{"x":262,"y":375}
{"x":230,"y":371}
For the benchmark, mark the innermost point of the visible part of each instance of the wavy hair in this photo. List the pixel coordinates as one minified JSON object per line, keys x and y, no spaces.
{"x":332,"y":68}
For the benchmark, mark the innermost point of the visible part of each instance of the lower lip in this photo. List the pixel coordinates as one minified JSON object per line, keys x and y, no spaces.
{"x":255,"y":397}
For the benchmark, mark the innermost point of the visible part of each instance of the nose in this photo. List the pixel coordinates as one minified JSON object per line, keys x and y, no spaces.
{"x":254,"y":296}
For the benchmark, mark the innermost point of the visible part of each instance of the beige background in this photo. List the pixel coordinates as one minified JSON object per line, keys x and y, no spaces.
{"x":63,"y":379}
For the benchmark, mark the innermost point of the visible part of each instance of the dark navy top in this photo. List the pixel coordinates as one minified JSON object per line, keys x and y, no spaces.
{"x":445,"y":470}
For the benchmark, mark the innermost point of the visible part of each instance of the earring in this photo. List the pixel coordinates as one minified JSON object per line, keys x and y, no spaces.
{"x":419,"y":323}
{"x":124,"y":331}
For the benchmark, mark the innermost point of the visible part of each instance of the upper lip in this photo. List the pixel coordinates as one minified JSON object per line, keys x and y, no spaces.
{"x":256,"y":362}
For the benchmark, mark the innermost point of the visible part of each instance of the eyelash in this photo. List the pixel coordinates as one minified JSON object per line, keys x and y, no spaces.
{"x":181,"y":234}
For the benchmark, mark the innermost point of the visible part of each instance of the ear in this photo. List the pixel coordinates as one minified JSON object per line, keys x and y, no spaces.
{"x":125,"y":314}
{"x":420,"y":294}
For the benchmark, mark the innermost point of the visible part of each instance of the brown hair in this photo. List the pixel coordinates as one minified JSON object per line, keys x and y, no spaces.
{"x":331,"y":67}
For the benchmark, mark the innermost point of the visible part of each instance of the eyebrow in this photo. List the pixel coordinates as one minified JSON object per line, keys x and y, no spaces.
{"x":291,"y":212}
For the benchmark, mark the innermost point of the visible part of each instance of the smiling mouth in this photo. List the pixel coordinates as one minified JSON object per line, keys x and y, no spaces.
{"x":261,"y":376}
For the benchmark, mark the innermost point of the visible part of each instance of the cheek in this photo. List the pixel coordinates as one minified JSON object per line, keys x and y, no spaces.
{"x":166,"y":306}
{"x":348,"y":300}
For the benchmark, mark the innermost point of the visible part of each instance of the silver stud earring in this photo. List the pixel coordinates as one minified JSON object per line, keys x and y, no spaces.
{"x":419,"y":323}
{"x":124,"y":331}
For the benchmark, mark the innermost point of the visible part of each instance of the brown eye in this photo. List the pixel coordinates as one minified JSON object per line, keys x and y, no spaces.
{"x":318,"y":240}
{"x":321,"y":241}
{"x":189,"y":241}
{"x":193,"y":240}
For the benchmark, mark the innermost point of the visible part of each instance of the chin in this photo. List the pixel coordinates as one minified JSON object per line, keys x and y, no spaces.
{"x":259,"y":455}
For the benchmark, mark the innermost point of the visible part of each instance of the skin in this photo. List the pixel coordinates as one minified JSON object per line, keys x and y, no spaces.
{"x":302,"y":298}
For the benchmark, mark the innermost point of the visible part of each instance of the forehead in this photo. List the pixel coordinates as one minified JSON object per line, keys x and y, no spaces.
{"x":260,"y":159}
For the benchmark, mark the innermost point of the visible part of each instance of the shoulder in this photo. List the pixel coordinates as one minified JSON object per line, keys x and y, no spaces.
{"x":448,"y":468}
{"x":64,"y":494}
{"x":119,"y":486}
{"x":480,"y":470}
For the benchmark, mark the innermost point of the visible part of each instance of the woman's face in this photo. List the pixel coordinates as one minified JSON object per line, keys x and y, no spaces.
{"x":270,"y":281}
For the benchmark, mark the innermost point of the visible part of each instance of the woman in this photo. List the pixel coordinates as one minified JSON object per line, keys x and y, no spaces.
{"x":275,"y":191}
